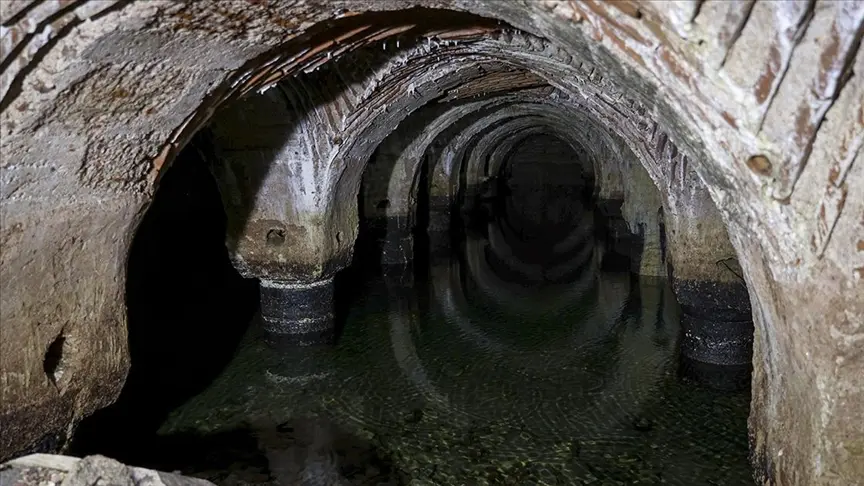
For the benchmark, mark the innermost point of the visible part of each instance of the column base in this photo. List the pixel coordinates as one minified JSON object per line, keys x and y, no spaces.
{"x":298,"y":314}
{"x":397,"y":250}
{"x":439,"y":243}
{"x":716,"y":320}
{"x":717,"y":342}
{"x":617,"y":240}
{"x":706,"y":299}
{"x":718,"y":377}
{"x":399,"y":279}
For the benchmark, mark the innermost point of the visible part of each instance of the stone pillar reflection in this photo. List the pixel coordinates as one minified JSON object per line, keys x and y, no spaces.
{"x":615,"y":234}
{"x":397,"y":246}
{"x":399,"y":279}
{"x":439,"y":227}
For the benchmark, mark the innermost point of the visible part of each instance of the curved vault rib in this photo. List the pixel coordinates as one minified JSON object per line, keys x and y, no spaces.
{"x":156,"y":71}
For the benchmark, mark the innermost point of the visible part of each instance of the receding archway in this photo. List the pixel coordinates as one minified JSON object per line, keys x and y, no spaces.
{"x":113,"y":130}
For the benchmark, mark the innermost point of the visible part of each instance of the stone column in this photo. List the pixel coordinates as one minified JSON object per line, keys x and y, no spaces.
{"x":399,"y":279}
{"x":397,"y":248}
{"x":616,"y":237}
{"x":642,"y":211}
{"x":295,"y":267}
{"x":707,"y":281}
{"x":277,"y":231}
{"x":298,"y":313}
{"x":392,"y":239}
{"x":388,"y":201}
{"x":716,"y":318}
{"x":295,"y":262}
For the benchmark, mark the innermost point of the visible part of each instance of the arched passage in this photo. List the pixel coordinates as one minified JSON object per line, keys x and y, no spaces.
{"x":94,"y":111}
{"x":544,"y":170}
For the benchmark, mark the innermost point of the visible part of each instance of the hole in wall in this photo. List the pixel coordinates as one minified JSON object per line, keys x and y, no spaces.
{"x":276,"y":236}
{"x":760,"y":165}
{"x":56,"y":360}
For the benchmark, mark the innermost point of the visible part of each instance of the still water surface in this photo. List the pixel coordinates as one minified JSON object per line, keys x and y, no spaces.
{"x":484,"y":371}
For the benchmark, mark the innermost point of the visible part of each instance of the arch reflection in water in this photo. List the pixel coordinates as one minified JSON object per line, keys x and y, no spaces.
{"x":490,"y":373}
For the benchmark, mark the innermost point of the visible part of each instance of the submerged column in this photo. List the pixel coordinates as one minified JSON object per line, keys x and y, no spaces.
{"x":397,"y":242}
{"x":716,"y":316}
{"x":717,"y":342}
{"x":707,"y":281}
{"x":389,"y":202}
{"x":642,"y":211}
{"x":299,"y":313}
{"x":399,"y":279}
{"x":295,"y":262}
{"x":616,"y":236}
{"x":397,"y":249}
{"x":439,"y":225}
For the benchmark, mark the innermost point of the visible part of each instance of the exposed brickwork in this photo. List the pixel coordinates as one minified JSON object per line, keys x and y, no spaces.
{"x":94,"y":111}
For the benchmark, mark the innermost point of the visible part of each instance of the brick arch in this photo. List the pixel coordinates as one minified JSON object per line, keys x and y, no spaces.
{"x":409,"y":143}
{"x":445,"y":178}
{"x":759,"y":97}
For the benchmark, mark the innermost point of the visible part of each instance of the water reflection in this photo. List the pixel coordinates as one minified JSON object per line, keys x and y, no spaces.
{"x":497,"y":370}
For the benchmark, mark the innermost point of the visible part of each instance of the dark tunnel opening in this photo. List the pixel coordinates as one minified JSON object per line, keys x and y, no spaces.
{"x":188,"y":309}
{"x":489,"y":288}
{"x":538,"y":194}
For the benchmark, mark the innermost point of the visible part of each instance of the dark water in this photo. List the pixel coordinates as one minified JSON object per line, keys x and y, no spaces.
{"x":468,"y":377}
{"x":509,"y":361}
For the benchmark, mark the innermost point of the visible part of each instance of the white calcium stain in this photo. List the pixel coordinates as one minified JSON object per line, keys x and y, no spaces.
{"x":294,"y":380}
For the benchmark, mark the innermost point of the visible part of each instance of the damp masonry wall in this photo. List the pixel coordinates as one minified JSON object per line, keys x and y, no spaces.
{"x":764,"y":98}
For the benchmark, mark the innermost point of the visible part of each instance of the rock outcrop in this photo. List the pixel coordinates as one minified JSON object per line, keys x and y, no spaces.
{"x":41,"y":469}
